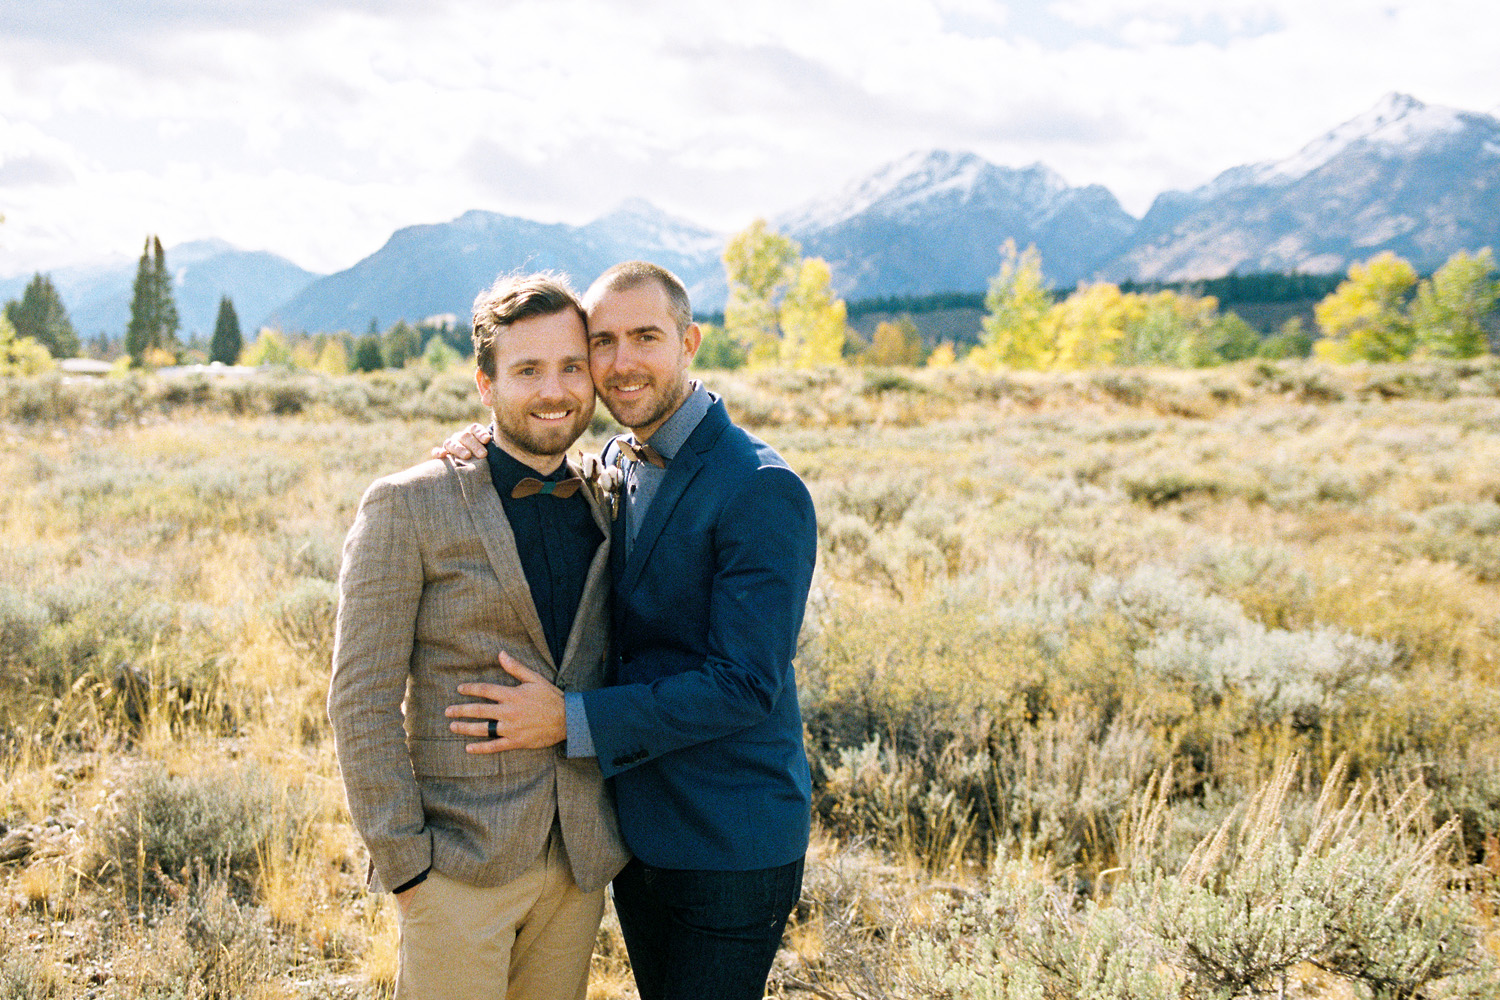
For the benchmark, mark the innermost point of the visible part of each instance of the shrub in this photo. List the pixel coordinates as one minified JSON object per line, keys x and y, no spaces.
{"x":164,"y":829}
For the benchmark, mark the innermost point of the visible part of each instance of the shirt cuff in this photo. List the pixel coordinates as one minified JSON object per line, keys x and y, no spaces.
{"x":412,"y":883}
{"x":580,"y":739}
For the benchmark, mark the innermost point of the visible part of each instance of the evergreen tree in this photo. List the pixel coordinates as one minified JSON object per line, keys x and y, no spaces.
{"x":153,"y":312}
{"x":367,"y":354}
{"x":40,"y":315}
{"x":167,"y":305}
{"x":400,"y":344}
{"x":227,"y":343}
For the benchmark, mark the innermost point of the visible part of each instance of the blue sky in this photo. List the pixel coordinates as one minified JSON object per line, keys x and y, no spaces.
{"x":314,"y":128}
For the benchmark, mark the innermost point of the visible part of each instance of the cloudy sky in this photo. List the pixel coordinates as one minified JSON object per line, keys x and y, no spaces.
{"x":314,"y":128}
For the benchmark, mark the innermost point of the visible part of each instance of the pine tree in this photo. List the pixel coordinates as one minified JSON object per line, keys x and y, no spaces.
{"x":166,"y":304}
{"x":153,"y":313}
{"x":367,"y":354}
{"x":400,"y":344}
{"x":143,"y":318}
{"x":227,"y":342}
{"x":41,"y":315}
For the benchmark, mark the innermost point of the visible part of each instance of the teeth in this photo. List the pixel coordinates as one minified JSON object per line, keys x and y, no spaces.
{"x":557,"y":415}
{"x":630,"y":388}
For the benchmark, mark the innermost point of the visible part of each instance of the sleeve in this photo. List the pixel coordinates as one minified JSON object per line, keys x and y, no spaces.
{"x":380,"y":589}
{"x":580,"y":738}
{"x":764,"y":548}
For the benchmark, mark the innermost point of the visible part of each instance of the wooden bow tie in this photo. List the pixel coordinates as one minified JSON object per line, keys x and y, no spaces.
{"x":642,"y":453}
{"x":550,"y":487}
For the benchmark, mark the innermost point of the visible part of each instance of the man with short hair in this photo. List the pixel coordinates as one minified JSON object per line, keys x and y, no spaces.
{"x":699,"y":728}
{"x":498,"y":863}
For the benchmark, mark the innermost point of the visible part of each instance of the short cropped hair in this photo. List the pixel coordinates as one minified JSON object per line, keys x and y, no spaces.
{"x":512,"y":298}
{"x":634,"y":273}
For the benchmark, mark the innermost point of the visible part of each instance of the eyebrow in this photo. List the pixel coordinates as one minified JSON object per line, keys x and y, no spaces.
{"x":571,"y":359}
{"x":648,"y":328}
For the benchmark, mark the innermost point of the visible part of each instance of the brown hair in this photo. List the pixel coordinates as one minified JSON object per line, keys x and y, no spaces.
{"x":632,"y":273}
{"x":512,"y":298}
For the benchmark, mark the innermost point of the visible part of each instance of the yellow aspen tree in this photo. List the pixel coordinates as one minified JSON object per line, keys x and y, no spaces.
{"x":1450,"y":308}
{"x":1365,"y":318}
{"x":1091,"y":323}
{"x":1017,"y":333}
{"x":813,"y":321}
{"x":759,"y":264}
{"x":895,"y":343}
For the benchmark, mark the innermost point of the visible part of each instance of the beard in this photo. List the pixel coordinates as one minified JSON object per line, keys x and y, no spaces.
{"x":527,"y":435}
{"x":653,"y":406}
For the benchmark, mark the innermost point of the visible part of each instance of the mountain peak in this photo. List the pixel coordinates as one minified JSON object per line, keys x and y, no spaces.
{"x":1396,"y":120}
{"x":908,"y":184}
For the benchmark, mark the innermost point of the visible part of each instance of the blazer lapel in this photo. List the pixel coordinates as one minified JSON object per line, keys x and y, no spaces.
{"x":499,"y":541}
{"x":681,"y":471}
{"x":595,"y":586}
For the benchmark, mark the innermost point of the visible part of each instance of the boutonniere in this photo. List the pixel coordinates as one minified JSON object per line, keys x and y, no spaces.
{"x":606,"y":481}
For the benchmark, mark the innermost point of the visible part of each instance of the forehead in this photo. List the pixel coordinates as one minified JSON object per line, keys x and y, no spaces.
{"x":631,"y":308}
{"x":560,"y":335}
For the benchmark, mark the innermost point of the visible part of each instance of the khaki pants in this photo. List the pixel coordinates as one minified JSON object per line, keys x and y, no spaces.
{"x":530,"y":939}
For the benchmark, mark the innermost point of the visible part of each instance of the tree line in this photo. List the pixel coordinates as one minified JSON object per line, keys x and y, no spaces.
{"x":782,"y":310}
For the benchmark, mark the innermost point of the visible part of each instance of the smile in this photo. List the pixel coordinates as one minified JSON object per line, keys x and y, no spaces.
{"x":554,"y":415}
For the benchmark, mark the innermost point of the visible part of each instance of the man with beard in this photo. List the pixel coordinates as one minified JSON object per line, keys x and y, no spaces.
{"x":498,"y":863}
{"x":699,"y":728}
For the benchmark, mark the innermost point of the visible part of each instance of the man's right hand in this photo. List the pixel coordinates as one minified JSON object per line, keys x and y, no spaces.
{"x":403,"y":899}
{"x":467,"y":444}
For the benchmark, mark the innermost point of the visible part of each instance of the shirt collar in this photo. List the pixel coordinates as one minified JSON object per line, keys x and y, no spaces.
{"x":506,"y":470}
{"x":676,"y":429}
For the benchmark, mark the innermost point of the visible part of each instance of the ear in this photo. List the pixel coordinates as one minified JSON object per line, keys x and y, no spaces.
{"x":486,"y":388}
{"x":692,"y":338}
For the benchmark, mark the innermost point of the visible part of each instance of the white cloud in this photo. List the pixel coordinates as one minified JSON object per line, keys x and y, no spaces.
{"x":315,"y":129}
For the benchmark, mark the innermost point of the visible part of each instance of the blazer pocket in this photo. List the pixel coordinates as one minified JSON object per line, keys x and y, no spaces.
{"x":448,"y":759}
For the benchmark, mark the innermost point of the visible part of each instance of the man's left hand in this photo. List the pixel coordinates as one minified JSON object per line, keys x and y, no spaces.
{"x":529,"y":715}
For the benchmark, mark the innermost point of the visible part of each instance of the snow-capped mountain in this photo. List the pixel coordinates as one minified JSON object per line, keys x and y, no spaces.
{"x":1421,"y":180}
{"x":935,"y":221}
{"x":430,"y":269}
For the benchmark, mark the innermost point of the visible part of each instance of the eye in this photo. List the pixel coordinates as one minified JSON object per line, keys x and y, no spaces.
{"x":527,"y":372}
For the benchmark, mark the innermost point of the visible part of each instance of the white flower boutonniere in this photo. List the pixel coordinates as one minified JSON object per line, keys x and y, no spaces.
{"x":605,"y":480}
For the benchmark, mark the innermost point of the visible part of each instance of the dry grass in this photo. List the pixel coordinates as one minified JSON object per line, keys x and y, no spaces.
{"x":1037,"y":596}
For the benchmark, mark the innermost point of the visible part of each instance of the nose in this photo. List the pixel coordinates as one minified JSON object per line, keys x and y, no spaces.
{"x":553,"y":387}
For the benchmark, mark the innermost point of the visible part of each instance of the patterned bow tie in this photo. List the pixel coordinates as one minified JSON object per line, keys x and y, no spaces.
{"x":548,"y":487}
{"x":642,"y":453}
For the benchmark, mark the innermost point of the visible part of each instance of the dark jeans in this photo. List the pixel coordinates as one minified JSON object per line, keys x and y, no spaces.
{"x":696,"y":935}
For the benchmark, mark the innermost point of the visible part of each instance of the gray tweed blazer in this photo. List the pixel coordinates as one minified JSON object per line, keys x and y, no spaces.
{"x":430,"y":592}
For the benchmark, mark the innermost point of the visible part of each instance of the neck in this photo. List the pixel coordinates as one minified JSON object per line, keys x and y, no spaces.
{"x":646,"y":430}
{"x":543,"y":464}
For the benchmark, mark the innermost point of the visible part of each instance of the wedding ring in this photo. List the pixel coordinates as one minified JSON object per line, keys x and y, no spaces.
{"x":494,"y":729}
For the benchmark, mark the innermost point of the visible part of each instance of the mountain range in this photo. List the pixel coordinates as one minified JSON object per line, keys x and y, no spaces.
{"x":1423,"y":181}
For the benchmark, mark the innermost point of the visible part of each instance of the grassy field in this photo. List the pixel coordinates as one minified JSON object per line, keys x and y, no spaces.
{"x":1117,"y":684}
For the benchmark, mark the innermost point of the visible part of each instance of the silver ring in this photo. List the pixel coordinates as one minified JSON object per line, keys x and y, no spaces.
{"x":494,"y":729}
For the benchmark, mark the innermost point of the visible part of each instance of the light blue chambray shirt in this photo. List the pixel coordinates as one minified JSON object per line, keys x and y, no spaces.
{"x":642,"y":480}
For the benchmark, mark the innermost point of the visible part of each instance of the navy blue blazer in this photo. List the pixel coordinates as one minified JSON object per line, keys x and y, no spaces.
{"x":700,"y":727}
